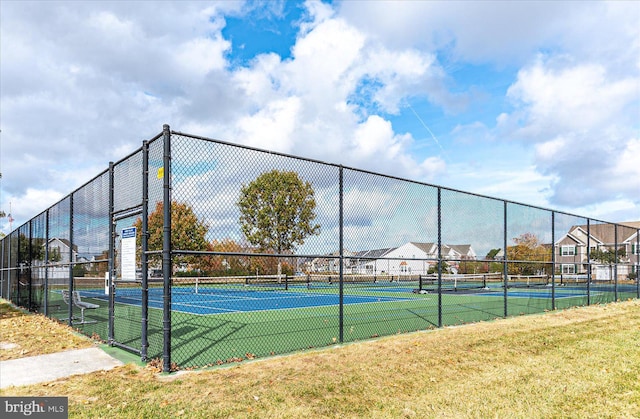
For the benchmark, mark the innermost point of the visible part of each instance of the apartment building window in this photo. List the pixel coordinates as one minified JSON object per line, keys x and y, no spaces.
{"x":568,"y":250}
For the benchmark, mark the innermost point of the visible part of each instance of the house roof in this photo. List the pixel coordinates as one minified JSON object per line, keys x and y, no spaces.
{"x":632,"y":224}
{"x":425,"y":247}
{"x":606,"y":233}
{"x":374,"y":254}
{"x":463,"y":249}
{"x":568,"y":238}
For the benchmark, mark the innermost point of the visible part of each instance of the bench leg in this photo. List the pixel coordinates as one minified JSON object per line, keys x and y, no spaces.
{"x":82,"y":320}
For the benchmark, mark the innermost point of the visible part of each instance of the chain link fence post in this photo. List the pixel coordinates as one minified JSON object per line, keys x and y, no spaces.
{"x":71,"y":260}
{"x":505,"y":266}
{"x":112,"y":265}
{"x":439,"y":257}
{"x":553,"y":260}
{"x":166,"y":249}
{"x":144,"y":238}
{"x":341,"y":245}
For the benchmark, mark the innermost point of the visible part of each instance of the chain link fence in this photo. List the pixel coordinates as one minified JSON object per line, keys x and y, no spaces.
{"x":201,"y":252}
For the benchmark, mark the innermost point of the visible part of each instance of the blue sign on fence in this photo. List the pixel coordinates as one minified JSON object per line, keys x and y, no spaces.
{"x":128,"y":233}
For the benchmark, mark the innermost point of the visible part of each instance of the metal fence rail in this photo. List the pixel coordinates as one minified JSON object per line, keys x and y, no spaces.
{"x":202,"y":252}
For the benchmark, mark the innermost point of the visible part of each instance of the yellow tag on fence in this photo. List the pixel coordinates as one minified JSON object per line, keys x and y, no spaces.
{"x":160,"y":172}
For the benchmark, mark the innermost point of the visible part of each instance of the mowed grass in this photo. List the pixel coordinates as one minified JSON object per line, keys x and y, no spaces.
{"x":582,"y":362}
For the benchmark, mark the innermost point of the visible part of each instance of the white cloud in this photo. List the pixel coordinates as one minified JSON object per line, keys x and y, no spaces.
{"x":202,"y":55}
{"x":28,"y":205}
{"x":476,"y":31}
{"x":570,"y":98}
{"x":552,"y":149}
{"x":575,"y":103}
{"x":330,"y":62}
{"x":272,"y":127}
{"x":501,"y":32}
{"x":579,"y":118}
{"x":628,"y":166}
{"x":373,"y":137}
{"x":86,"y":82}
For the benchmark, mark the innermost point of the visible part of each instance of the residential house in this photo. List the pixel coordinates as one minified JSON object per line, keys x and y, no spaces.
{"x":330,"y":263}
{"x":60,"y":257}
{"x":410,"y":258}
{"x":571,"y":249}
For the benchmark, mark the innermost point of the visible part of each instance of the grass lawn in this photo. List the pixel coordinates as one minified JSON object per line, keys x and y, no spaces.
{"x":582,"y":362}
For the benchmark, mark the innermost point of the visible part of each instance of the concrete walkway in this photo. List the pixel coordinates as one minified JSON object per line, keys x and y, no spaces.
{"x":43,"y":368}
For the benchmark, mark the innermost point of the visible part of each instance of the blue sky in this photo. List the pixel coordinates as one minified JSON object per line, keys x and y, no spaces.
{"x":536,"y":102}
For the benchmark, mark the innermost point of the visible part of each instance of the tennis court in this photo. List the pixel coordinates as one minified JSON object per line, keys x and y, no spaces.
{"x":206,"y":297}
{"x":217,"y":299}
{"x":215,"y":322}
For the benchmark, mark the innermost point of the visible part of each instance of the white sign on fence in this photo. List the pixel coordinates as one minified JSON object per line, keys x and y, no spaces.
{"x":128,"y":254}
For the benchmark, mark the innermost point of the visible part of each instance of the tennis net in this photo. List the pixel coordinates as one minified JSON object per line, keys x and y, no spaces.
{"x":528,"y":281}
{"x":461,"y":282}
{"x":376,"y":282}
{"x":208,"y":285}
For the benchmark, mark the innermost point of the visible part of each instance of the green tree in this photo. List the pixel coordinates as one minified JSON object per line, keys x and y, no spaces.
{"x":187,"y":231}
{"x":531,"y":256}
{"x":54,"y":255}
{"x":100,"y":268}
{"x":492,"y":266}
{"x":79,"y":271}
{"x":277,"y":211}
{"x":31,"y":251}
{"x":492,"y":254}
{"x":608,"y":256}
{"x":433,"y":269}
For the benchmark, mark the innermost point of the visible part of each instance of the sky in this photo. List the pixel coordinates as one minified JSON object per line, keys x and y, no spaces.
{"x":533,"y":102}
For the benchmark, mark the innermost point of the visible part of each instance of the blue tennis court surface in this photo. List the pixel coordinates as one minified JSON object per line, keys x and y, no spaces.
{"x":231,"y":301}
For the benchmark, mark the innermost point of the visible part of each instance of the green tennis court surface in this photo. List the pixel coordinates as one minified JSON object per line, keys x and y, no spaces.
{"x":220,"y":324}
